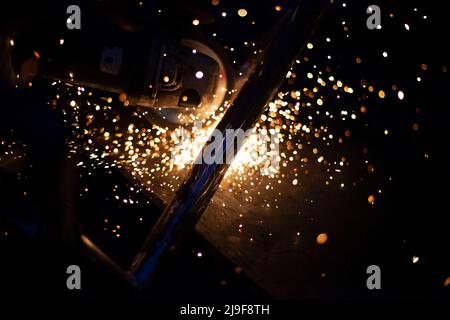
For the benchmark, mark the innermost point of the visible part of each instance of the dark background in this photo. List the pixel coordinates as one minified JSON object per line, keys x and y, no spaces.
{"x":411,"y":220}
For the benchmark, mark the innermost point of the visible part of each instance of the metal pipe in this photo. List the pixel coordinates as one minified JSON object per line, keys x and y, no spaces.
{"x":202,"y":182}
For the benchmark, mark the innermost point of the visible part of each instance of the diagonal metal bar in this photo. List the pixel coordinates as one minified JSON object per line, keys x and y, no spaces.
{"x":202,"y":182}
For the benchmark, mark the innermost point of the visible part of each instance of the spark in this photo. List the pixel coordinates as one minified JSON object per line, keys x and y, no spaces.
{"x":322,"y":238}
{"x":242,"y":12}
{"x":199,"y":74}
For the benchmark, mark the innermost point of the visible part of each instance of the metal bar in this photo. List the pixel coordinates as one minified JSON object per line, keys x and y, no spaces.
{"x":202,"y":182}
{"x":93,"y":252}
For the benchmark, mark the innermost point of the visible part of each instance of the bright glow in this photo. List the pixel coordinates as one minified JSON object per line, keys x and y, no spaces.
{"x":199,"y":74}
{"x":242,"y":12}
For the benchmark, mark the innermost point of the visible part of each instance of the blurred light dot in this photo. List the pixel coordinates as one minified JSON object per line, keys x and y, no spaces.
{"x":295,"y":182}
{"x":166,"y":79}
{"x":322,"y":238}
{"x":122,"y":97}
{"x":381,"y":94}
{"x":277,"y":8}
{"x":310,"y":45}
{"x":242,"y":12}
{"x":447,"y":282}
{"x":371,"y":199}
{"x":385,"y":54}
{"x":401,"y":95}
{"x":195,"y":22}
{"x":415,"y":259}
{"x":199,"y":74}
